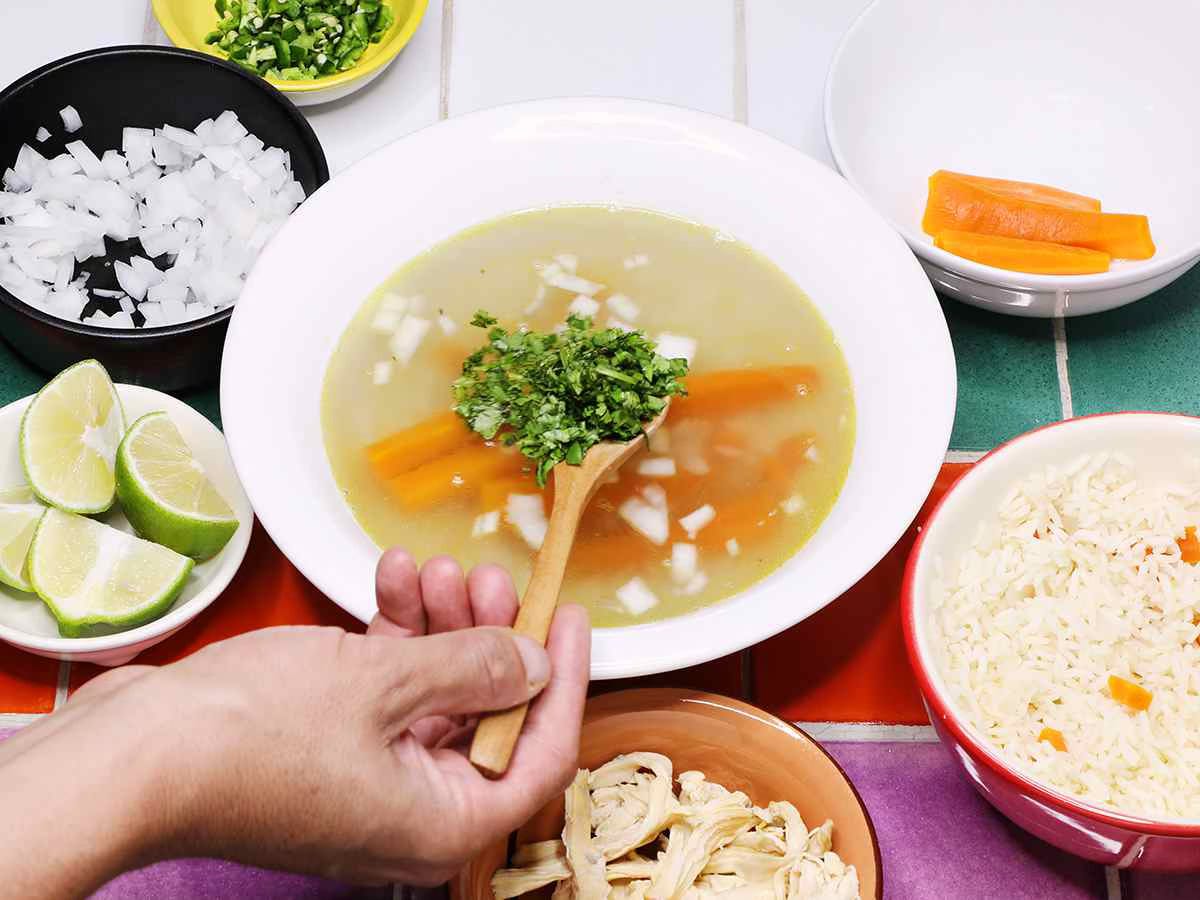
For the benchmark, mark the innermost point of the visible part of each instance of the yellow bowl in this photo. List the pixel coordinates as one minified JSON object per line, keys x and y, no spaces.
{"x":186,"y":22}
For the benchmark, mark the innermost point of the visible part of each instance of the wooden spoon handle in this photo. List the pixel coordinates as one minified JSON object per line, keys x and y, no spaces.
{"x":497,"y":733}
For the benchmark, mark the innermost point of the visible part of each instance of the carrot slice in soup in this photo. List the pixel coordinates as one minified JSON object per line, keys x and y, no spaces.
{"x":419,"y":444}
{"x":1031,"y":190}
{"x":733,"y":390}
{"x":958,"y":205}
{"x":1020,"y":255}
{"x":459,"y":473}
{"x":1126,"y":692}
{"x":1189,"y":546}
{"x":1054,"y":738}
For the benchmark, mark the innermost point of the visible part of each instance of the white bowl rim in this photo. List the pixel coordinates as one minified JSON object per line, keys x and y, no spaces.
{"x":672,"y":657}
{"x":232,"y":555}
{"x":1020,"y":281}
{"x":930,"y":681}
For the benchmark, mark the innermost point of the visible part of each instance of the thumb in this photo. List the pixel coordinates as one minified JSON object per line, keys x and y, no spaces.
{"x":465,"y":672}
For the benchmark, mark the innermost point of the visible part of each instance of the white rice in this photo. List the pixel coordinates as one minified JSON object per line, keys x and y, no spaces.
{"x":1057,"y":593}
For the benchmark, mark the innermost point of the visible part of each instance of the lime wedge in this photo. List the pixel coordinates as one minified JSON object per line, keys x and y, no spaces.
{"x":19,"y":494}
{"x":165,"y":494}
{"x":91,"y":574}
{"x":69,"y":438}
{"x":18,"y":522}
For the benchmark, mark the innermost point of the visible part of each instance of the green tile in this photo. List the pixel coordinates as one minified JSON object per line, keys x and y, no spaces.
{"x":1007,"y":379}
{"x":19,"y":379}
{"x":1142,"y":356}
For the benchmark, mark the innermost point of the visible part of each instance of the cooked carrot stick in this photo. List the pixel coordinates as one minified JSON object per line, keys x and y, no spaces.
{"x":958,"y":205}
{"x":418,"y":444}
{"x":462,"y":472}
{"x":736,"y":389}
{"x":1132,"y":695}
{"x":1189,"y":546}
{"x":1030,"y":190}
{"x":1020,"y":255}
{"x":1054,"y":738}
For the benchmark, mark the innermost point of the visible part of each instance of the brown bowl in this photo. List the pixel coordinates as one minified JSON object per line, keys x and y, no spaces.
{"x":733,"y":744}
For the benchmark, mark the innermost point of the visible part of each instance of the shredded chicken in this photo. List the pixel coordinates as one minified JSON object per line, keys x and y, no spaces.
{"x":629,"y":836}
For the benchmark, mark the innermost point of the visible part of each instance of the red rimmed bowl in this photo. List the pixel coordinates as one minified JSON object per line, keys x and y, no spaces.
{"x":1101,"y":834}
{"x":734,"y":744}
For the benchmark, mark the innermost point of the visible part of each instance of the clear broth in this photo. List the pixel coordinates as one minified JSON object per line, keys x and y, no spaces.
{"x":743,"y":312}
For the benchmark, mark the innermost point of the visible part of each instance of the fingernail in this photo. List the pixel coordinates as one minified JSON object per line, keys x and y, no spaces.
{"x":535,"y":660}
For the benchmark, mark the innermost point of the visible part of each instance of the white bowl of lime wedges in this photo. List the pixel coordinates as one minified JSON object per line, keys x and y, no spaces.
{"x":76,"y":583}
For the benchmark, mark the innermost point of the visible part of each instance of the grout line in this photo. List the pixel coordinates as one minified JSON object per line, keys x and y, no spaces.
{"x":741,"y":92}
{"x":447,"y":46}
{"x":19,"y":720}
{"x":149,"y":25}
{"x":869,"y":732}
{"x":64,"y":684}
{"x":1060,"y":361}
{"x":1112,"y":882}
{"x":965,"y":456}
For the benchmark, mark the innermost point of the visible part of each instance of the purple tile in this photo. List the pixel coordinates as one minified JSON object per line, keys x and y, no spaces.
{"x":1159,"y":886}
{"x":939,"y":839}
{"x":210,"y":879}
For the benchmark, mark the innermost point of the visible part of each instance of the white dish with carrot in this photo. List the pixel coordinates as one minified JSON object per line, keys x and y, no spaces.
{"x":1025,"y":93}
{"x":776,"y":481}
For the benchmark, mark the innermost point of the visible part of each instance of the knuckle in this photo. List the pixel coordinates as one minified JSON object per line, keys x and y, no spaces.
{"x":496,"y":661}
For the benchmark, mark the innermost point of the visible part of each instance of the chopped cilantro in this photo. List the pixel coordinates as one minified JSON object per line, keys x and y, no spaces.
{"x":556,"y":395}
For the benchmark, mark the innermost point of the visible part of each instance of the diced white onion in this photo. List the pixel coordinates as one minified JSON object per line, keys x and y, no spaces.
{"x":556,"y":276}
{"x":793,"y":505}
{"x":732,"y":547}
{"x":100,"y":292}
{"x":812,"y":454}
{"x":636,"y":597}
{"x":568,"y":261}
{"x":637,"y":261}
{"x":695,"y":584}
{"x":697,"y":519}
{"x":447,"y":324}
{"x":650,"y":521}
{"x":485,"y":524}
{"x":204,"y":224}
{"x":526,"y":513}
{"x":385,"y":321}
{"x":539,"y":298}
{"x":685,"y":560}
{"x":381,"y":372}
{"x":408,"y":337}
{"x":42,"y":134}
{"x":657,"y":467}
{"x":394,"y":303}
{"x":623,"y":306}
{"x":675,"y":346}
{"x":655,"y":495}
{"x":583,"y":305}
{"x":70,"y":119}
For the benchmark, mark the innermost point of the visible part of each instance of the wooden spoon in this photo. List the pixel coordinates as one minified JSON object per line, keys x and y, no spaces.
{"x":573,"y":488}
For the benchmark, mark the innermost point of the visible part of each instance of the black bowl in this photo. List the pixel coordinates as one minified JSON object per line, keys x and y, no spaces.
{"x":114,"y":87}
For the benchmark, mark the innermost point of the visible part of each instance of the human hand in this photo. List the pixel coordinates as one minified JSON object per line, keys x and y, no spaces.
{"x":315,"y":750}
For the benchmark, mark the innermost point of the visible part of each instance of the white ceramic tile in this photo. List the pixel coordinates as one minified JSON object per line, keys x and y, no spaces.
{"x":401,"y":100}
{"x":789,"y":44}
{"x":675,"y":51}
{"x":40,"y":31}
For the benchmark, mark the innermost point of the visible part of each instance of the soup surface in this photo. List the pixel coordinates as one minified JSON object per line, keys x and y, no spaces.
{"x":758,"y":451}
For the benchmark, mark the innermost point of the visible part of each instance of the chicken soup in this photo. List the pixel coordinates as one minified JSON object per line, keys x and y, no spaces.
{"x":740,"y":476}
